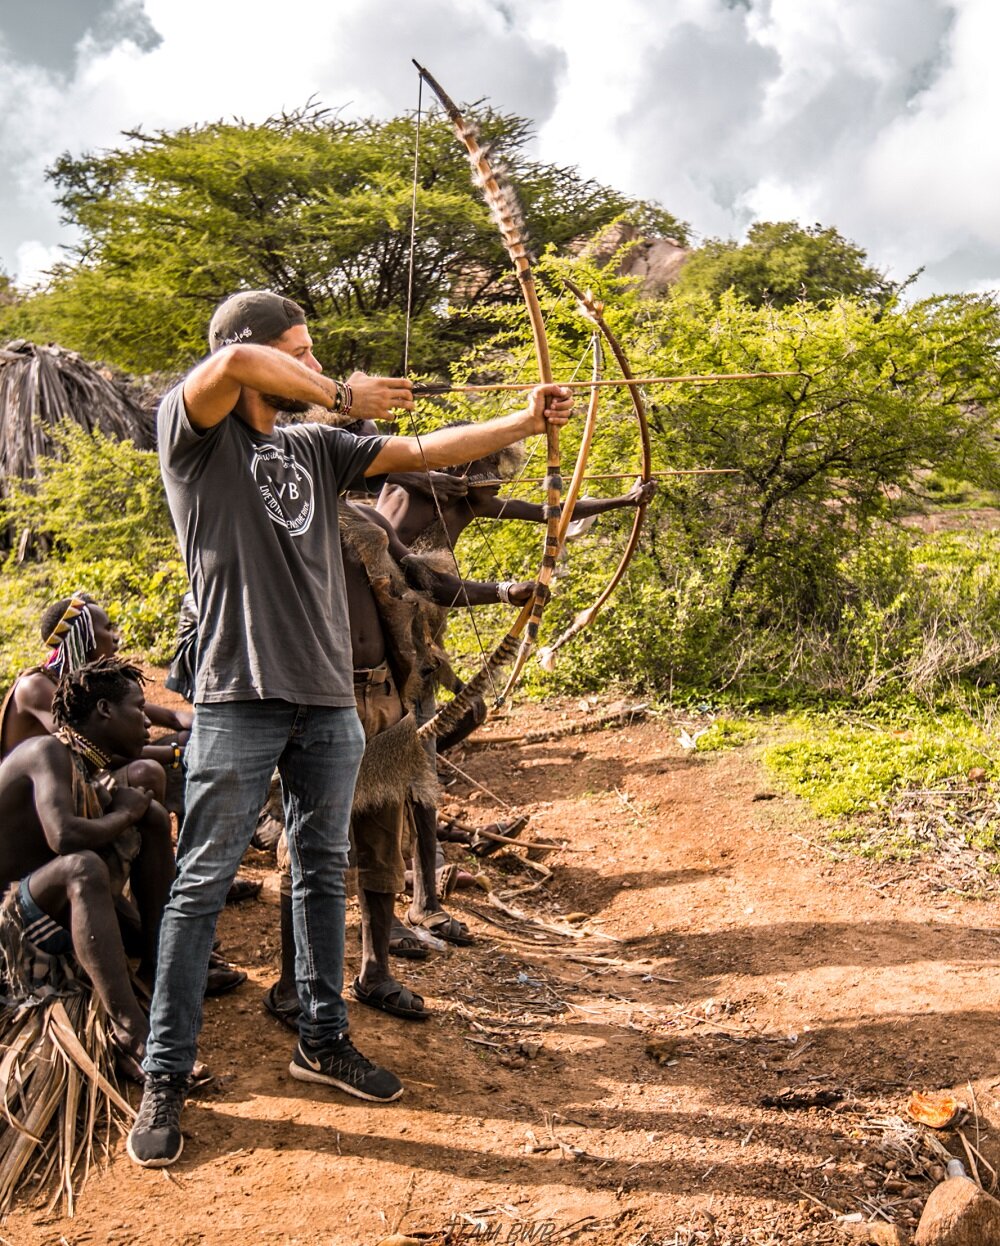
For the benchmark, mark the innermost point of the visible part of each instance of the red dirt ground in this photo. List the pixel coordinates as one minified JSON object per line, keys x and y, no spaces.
{"x":604,"y":1085}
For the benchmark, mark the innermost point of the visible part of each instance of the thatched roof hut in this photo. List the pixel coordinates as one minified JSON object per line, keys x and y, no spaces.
{"x":42,"y":385}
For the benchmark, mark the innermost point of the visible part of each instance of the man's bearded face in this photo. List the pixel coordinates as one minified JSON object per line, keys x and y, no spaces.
{"x":290,"y":406}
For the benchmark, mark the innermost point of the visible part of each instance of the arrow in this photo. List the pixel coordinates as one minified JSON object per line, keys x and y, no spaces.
{"x":423,"y":390}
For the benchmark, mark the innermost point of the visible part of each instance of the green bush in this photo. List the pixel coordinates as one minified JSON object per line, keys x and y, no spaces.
{"x":852,"y":767}
{"x":793,"y":576}
{"x":725,"y":733}
{"x":97,"y":521}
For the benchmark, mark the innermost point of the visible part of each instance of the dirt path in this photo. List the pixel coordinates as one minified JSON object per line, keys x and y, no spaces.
{"x":603,"y":1088}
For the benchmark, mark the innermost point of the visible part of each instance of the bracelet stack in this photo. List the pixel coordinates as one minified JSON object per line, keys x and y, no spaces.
{"x":343,"y":398}
{"x":503,"y":591}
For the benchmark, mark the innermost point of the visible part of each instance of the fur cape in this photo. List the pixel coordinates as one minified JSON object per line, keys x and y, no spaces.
{"x":395,"y":764}
{"x":411,"y":622}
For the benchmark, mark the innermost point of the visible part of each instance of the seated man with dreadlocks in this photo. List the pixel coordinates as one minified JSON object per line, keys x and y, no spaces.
{"x":77,"y":630}
{"x":70,"y":837}
{"x":394,"y":605}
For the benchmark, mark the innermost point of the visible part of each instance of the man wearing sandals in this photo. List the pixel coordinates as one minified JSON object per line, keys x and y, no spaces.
{"x":255,"y":507}
{"x":396,"y":603}
{"x":431,"y":513}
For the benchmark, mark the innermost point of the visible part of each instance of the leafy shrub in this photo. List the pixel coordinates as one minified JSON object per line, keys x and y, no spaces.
{"x":98,"y":521}
{"x":850,"y":768}
{"x":793,"y":576}
{"x":725,"y":733}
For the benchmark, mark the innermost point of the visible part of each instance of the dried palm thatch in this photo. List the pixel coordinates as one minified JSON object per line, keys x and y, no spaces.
{"x":43,"y":385}
{"x":61,"y":1106}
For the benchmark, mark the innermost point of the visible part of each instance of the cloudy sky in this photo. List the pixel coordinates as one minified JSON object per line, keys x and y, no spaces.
{"x":876,"y":116}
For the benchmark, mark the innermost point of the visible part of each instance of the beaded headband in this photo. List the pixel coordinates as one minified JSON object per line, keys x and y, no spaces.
{"x":72,"y":640}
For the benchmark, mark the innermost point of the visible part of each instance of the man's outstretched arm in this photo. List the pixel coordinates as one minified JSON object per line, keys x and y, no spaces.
{"x":442,"y":587}
{"x":441,"y":485}
{"x":516,"y":508}
{"x":448,"y":447}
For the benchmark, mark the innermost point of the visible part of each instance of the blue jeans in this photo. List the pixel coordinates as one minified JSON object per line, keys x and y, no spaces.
{"x":230,"y":758}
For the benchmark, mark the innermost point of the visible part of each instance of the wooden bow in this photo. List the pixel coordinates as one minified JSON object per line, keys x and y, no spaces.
{"x":594,"y":311}
{"x":506,"y":213}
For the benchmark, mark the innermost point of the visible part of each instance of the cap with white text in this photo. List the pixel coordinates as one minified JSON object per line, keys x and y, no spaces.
{"x":255,"y":316}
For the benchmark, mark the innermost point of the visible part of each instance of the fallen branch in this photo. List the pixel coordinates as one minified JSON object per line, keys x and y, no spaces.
{"x":971,"y":1158}
{"x":474,"y":782}
{"x":813,"y":1199}
{"x":630,"y":968}
{"x":536,"y":941}
{"x":630,"y":713}
{"x":567,"y":932}
{"x":496,"y":838}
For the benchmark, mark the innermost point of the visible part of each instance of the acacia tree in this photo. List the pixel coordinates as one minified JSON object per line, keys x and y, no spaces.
{"x":309,"y":204}
{"x":877,"y":395}
{"x":783,"y":263}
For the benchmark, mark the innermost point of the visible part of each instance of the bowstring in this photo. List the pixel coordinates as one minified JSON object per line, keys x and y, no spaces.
{"x":413,"y":226}
{"x":464,"y":592}
{"x":477,"y":522}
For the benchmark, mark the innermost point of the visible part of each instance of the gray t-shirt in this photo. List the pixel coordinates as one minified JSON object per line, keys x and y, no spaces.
{"x":256,"y":516}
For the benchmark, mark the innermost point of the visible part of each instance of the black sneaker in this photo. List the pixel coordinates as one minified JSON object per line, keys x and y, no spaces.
{"x":340,"y":1064}
{"x":155,"y":1140}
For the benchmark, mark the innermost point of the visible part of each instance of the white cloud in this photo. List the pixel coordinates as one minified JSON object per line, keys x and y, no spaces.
{"x":875,"y":116}
{"x":937,"y":166}
{"x":33,"y":261}
{"x":771,"y":199}
{"x":223,"y":60}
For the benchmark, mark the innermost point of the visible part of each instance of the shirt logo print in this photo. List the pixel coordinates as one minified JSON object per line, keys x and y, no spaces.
{"x":285,"y":487}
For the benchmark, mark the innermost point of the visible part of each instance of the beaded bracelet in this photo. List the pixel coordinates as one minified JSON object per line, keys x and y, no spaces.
{"x":343,"y":398}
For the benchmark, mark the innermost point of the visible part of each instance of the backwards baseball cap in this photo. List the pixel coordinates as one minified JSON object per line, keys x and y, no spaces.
{"x":255,"y":316}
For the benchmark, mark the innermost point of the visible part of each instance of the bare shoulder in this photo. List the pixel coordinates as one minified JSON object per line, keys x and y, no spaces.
{"x":34,"y":691}
{"x":39,"y":762}
{"x":40,"y":755}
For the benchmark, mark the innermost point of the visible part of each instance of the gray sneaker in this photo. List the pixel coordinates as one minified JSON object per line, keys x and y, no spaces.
{"x":340,"y":1064}
{"x":155,"y":1140}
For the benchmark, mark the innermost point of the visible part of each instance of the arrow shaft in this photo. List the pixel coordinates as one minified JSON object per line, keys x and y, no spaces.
{"x":421,"y":389}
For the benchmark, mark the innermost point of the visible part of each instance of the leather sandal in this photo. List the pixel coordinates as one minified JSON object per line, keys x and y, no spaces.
{"x":243,"y":889}
{"x":222,"y":977}
{"x":405,"y":945}
{"x":287,"y":1011}
{"x":393,"y":998}
{"x":443,"y":926}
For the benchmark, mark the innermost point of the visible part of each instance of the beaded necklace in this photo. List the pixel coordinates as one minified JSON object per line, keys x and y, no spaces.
{"x":87,"y":749}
